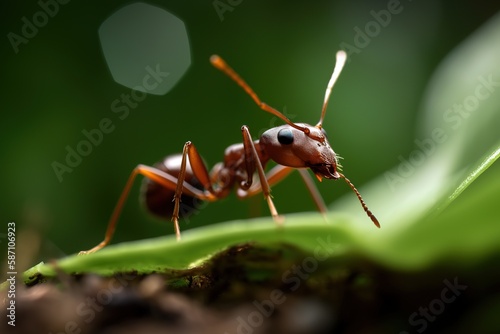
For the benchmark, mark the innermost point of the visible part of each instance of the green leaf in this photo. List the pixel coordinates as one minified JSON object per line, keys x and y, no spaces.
{"x":453,"y":134}
{"x":472,"y":176}
{"x":165,"y":252}
{"x":449,"y":237}
{"x":410,"y":239}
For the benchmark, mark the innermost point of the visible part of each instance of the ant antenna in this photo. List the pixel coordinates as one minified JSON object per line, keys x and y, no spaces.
{"x":221,"y":65}
{"x":368,"y":212}
{"x":339,"y":64}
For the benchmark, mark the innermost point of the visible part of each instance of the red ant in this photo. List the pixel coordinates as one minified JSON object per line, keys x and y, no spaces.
{"x":291,"y":146}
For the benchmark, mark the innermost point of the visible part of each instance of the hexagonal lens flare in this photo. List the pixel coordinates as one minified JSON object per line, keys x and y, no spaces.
{"x":146,"y":48}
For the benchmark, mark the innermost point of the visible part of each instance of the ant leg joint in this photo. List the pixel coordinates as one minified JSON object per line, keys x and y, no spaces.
{"x":245,"y":185}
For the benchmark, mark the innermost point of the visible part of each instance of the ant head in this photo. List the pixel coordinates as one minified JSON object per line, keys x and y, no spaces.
{"x":302,"y":145}
{"x":295,"y":144}
{"x":296,"y":148}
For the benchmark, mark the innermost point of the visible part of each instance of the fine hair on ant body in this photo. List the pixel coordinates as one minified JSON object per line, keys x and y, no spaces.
{"x":185,"y":178}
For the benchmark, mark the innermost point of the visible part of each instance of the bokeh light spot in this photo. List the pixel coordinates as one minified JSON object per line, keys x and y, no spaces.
{"x":146,"y":48}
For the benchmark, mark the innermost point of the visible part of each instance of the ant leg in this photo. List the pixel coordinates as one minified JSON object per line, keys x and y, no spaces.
{"x":313,"y":191}
{"x":200,"y":172}
{"x":156,"y":175}
{"x":278,"y":173}
{"x":275,"y":175}
{"x":253,"y":162}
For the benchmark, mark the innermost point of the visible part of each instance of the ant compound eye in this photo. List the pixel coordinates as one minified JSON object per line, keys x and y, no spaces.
{"x":285,"y":136}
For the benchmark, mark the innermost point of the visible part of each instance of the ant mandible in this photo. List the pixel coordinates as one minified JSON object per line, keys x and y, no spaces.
{"x":291,"y":146}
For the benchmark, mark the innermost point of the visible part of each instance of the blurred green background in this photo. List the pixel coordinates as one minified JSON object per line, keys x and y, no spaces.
{"x":58,"y":84}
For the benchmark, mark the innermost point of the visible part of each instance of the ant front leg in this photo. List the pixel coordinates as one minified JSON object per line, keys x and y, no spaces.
{"x":280,"y":172}
{"x":252,"y":162}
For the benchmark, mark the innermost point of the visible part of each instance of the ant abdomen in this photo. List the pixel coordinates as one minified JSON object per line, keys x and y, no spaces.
{"x":159,"y":199}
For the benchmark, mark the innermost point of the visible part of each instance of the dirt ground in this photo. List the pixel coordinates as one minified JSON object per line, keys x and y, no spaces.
{"x":245,"y":289}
